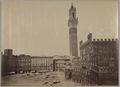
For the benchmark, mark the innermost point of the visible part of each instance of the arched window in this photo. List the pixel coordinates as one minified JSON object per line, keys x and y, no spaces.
{"x":73,"y":15}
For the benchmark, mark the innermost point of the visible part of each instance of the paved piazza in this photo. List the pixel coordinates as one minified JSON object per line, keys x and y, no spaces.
{"x":37,"y":79}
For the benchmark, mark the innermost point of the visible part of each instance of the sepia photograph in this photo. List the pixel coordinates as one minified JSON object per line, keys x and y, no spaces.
{"x":59,"y":43}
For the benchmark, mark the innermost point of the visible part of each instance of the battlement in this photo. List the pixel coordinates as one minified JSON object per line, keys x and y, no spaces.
{"x":90,"y":39}
{"x":105,"y":39}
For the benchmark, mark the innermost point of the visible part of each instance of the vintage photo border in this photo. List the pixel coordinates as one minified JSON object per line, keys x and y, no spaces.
{"x":60,"y":86}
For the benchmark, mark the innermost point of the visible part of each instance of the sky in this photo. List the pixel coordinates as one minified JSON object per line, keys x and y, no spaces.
{"x":40,"y":27}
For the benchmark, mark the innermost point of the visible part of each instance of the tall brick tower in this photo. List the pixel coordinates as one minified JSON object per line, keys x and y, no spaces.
{"x":72,"y":24}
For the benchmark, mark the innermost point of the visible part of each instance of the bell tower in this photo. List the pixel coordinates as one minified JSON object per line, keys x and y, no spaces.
{"x":72,"y":24}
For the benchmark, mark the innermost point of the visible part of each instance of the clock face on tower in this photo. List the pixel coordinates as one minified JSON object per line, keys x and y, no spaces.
{"x":72,"y":23}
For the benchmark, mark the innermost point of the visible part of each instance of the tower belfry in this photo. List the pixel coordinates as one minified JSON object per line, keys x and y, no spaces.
{"x":72,"y":24}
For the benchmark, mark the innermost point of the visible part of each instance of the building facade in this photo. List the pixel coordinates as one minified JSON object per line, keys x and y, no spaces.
{"x":8,"y":62}
{"x":23,"y":63}
{"x":60,"y":63}
{"x":72,"y":23}
{"x":41,"y":63}
{"x":98,"y":63}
